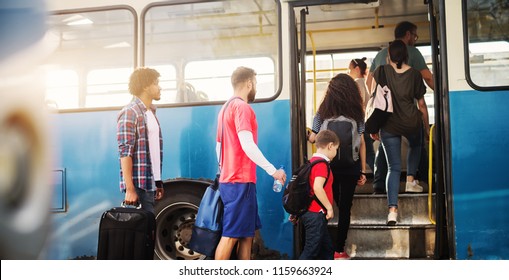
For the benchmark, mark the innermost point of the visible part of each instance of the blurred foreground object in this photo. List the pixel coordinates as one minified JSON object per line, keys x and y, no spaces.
{"x":25,"y":192}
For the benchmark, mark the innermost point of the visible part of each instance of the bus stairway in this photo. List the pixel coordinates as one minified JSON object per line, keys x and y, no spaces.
{"x":413,"y":237}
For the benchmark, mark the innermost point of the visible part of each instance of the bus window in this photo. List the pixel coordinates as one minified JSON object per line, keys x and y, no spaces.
{"x":216,"y":85}
{"x":167,"y":82}
{"x":209,"y":40}
{"x":96,"y":49}
{"x":343,"y":59}
{"x":488,"y":49}
{"x":108,"y":88}
{"x":62,"y":89}
{"x":323,"y":72}
{"x":429,"y":96}
{"x":327,"y":66}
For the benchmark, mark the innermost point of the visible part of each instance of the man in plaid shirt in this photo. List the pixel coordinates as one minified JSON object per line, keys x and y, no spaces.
{"x":140,"y":142}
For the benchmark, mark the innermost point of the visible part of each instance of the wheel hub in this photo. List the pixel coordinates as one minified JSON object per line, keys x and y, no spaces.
{"x":174,"y":227}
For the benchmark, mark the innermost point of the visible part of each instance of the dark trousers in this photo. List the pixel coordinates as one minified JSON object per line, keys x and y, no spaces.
{"x":370,"y":151}
{"x":422,"y":171}
{"x":343,"y":187}
{"x":317,"y":244}
{"x":380,"y":172}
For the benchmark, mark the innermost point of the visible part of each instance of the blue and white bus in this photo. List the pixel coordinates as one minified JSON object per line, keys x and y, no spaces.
{"x":295,"y":47}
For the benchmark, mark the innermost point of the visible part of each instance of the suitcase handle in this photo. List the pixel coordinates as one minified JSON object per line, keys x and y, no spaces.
{"x":123,"y":204}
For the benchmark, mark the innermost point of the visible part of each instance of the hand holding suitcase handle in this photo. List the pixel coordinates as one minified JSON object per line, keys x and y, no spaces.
{"x":138,"y":206}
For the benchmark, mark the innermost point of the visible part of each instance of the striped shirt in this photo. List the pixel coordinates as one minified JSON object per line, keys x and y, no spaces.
{"x":132,"y":138}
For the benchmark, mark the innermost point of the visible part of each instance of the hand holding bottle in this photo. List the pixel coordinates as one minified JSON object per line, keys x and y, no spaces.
{"x":279,"y":179}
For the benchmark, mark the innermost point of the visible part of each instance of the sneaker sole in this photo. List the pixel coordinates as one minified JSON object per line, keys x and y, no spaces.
{"x":391,"y":223}
{"x":414,"y":191}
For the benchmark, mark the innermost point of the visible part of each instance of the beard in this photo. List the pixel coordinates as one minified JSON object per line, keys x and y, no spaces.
{"x":251,"y":95}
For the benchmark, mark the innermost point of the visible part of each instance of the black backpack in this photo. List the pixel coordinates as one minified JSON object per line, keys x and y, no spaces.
{"x":296,"y":197}
{"x":349,"y":140}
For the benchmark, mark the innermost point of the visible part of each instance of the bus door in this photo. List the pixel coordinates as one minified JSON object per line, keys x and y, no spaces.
{"x":329,"y":36}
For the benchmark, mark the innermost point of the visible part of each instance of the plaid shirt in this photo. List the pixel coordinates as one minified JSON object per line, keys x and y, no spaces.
{"x":132,"y":138}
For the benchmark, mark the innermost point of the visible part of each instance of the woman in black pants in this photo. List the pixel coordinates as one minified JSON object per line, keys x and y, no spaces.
{"x":343,"y":99}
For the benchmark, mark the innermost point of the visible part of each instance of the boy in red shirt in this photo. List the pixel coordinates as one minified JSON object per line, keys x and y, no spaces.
{"x":318,"y":244}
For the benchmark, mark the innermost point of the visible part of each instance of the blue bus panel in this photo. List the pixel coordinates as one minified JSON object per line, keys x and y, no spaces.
{"x":87,"y":149}
{"x":479,"y":131}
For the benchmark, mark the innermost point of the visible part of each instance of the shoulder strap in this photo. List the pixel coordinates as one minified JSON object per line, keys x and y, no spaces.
{"x":328,"y":167}
{"x":383,"y":77}
{"x":222,"y":132}
{"x":326,"y":179}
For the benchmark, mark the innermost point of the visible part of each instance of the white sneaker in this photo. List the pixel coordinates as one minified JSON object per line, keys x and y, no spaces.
{"x":413,"y":187}
{"x":392,"y":218}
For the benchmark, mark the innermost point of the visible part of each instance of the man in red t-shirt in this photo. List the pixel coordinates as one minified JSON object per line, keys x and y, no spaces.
{"x":239,"y":154}
{"x":318,"y":244}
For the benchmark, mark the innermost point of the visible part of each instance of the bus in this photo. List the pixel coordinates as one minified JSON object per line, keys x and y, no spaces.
{"x":296,"y":47}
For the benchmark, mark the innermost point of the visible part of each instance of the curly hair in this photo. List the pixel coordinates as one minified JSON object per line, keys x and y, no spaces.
{"x":342,"y":98}
{"x":141,"y":78}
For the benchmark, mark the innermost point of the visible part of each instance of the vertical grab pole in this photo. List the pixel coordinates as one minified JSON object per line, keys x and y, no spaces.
{"x":430,"y":175}
{"x":302,"y":98}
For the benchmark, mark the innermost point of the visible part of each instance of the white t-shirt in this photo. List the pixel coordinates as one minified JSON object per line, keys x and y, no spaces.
{"x":153,"y":144}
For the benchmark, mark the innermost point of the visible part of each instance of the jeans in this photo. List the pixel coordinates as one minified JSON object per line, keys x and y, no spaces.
{"x":318,"y":244}
{"x":146,"y":198}
{"x":392,"y":146}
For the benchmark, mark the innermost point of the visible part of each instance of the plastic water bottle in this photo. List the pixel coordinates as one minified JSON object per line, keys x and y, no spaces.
{"x":278,"y":186}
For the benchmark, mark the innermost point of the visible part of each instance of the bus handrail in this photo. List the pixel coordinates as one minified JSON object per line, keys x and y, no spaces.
{"x":430,"y":175}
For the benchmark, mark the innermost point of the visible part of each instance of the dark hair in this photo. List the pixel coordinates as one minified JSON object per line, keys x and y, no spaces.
{"x":324,"y":137}
{"x":398,"y":53}
{"x":242,"y":74}
{"x":141,"y":78}
{"x":356,"y":62}
{"x":342,"y":98}
{"x":402,"y":28}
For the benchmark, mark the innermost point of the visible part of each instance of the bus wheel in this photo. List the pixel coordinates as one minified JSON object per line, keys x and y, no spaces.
{"x":175,"y":216}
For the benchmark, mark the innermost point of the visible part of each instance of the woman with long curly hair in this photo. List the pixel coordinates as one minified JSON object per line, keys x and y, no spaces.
{"x":343,"y":98}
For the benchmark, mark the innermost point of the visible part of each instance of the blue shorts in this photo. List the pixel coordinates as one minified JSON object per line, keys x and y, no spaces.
{"x":240,"y":217}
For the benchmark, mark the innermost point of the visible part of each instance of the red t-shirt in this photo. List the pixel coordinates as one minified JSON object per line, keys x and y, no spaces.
{"x":320,"y":170}
{"x":236,"y":166}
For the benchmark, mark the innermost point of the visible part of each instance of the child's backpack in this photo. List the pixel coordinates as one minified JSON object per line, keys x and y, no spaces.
{"x":296,"y":197}
{"x":349,"y":140}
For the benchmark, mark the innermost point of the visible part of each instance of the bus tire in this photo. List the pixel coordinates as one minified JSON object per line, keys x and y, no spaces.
{"x":175,"y":215}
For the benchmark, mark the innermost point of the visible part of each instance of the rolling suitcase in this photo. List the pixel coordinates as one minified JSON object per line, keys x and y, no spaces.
{"x":126,"y":234}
